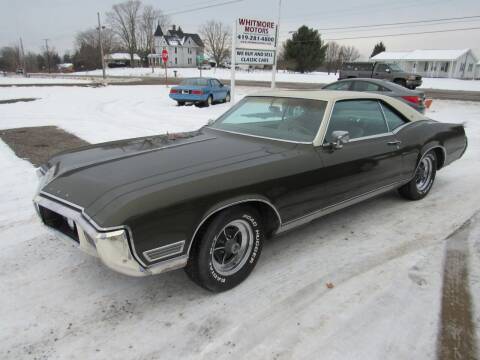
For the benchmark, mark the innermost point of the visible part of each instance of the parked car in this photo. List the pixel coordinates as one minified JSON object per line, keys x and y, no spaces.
{"x":414,"y":98}
{"x":200,"y":91}
{"x":19,"y":71}
{"x":391,"y":72}
{"x":205,"y":66}
{"x":207,"y":200}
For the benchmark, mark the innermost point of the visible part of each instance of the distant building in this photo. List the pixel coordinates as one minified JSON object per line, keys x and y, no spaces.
{"x":477,"y":74}
{"x":182,"y":48}
{"x":121,"y":59}
{"x":458,"y":64}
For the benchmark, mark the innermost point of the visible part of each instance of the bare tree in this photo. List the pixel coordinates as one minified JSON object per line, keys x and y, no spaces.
{"x":217,"y":39}
{"x":149,"y":19}
{"x":124,"y":21}
{"x":331,"y":56}
{"x":349,"y":53}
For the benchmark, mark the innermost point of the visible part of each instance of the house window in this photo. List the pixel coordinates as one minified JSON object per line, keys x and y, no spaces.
{"x":425,"y":68}
{"x":176,"y":61}
{"x":462,"y":66}
{"x":470,"y":67}
{"x":189,"y":61}
{"x":175,"y":49}
{"x":444,"y":67}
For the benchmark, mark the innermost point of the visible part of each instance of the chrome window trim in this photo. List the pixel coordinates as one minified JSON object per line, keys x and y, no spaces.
{"x":262,"y":137}
{"x":371,"y":137}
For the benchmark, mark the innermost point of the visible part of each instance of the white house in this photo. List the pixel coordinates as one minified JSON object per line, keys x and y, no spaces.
{"x":477,"y":74}
{"x":458,"y":64}
{"x":182,"y":48}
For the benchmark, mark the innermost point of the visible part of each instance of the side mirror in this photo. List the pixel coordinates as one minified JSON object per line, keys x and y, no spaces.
{"x":221,"y":85}
{"x":339,"y":138}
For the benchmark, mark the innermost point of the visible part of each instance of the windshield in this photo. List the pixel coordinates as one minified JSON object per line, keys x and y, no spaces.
{"x":272,"y":117}
{"x":395,"y":68}
{"x":195,"y":82}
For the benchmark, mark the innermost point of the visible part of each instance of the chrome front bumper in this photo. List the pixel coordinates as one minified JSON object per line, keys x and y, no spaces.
{"x":111,"y":245}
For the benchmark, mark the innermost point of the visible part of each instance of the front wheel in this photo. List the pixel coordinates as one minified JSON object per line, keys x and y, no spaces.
{"x":227,"y":97}
{"x":228,"y":249}
{"x":422,"y":182}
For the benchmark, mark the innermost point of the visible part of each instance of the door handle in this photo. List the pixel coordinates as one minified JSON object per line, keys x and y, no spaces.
{"x":395,"y":142}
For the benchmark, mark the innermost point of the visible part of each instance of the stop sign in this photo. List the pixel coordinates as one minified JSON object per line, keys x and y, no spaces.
{"x":164,"y":55}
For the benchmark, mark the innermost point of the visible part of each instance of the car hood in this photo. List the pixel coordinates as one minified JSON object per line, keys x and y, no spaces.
{"x":92,"y":177}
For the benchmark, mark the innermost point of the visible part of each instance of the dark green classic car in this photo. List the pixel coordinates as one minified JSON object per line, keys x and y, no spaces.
{"x":207,"y":200}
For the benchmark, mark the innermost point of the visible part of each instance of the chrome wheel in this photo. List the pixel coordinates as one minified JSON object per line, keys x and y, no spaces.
{"x":209,"y":100}
{"x":227,"y":98}
{"x":231,"y":247}
{"x":423,"y":177}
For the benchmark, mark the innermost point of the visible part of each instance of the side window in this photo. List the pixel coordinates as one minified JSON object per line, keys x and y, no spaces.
{"x":382,"y":67}
{"x":360,"y":118}
{"x":344,"y":85}
{"x":394,"y":119}
{"x":366,"y":86}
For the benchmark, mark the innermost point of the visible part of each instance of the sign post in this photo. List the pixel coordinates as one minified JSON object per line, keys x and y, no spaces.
{"x":277,"y":43}
{"x":233,"y":63}
{"x":165,"y":59}
{"x":254,"y":43}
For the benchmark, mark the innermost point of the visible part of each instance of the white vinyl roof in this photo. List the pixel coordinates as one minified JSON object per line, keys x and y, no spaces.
{"x":121,"y":56}
{"x":420,"y":55}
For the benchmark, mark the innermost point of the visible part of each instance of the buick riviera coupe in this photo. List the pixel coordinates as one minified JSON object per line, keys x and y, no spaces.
{"x":207,"y":200}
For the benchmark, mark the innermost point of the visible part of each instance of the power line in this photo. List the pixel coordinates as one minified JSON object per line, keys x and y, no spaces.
{"x":403,"y":34}
{"x":203,"y":7}
{"x":401,"y":23}
{"x":399,"y":27}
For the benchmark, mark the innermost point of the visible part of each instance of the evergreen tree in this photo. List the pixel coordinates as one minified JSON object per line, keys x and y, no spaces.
{"x":379,"y":47}
{"x":305,"y":51}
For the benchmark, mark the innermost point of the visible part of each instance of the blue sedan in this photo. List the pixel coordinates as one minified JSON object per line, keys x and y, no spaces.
{"x":200,"y":91}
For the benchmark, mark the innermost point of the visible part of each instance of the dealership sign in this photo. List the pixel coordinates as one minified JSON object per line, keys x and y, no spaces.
{"x":254,"y":57}
{"x":254,"y":44}
{"x":255,"y":34}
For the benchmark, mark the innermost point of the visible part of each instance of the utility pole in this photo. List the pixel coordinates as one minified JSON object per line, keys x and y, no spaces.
{"x":101,"y":45}
{"x":277,"y":45}
{"x":23,"y":58}
{"x":48,"y":54}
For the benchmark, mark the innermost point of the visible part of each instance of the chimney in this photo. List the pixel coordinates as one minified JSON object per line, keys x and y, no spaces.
{"x":174,"y":27}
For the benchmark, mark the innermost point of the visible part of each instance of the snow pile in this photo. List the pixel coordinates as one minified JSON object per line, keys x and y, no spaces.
{"x":20,"y":80}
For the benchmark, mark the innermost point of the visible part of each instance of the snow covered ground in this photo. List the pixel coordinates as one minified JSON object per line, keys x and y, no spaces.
{"x":383,"y":256}
{"x":260,"y":75}
{"x":20,"y":80}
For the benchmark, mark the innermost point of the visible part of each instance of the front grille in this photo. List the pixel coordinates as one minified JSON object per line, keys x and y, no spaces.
{"x":59,"y":223}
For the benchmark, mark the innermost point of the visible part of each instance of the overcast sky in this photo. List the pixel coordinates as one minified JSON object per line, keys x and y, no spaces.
{"x":59,"y":20}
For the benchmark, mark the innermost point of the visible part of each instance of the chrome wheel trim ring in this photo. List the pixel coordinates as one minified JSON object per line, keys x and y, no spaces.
{"x":423,"y":177}
{"x":209,"y":100}
{"x":227,"y":98}
{"x":232,"y":247}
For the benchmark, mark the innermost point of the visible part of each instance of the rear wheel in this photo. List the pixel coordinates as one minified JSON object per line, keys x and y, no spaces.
{"x":228,"y":249}
{"x":423,"y":180}
{"x":209,"y":101}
